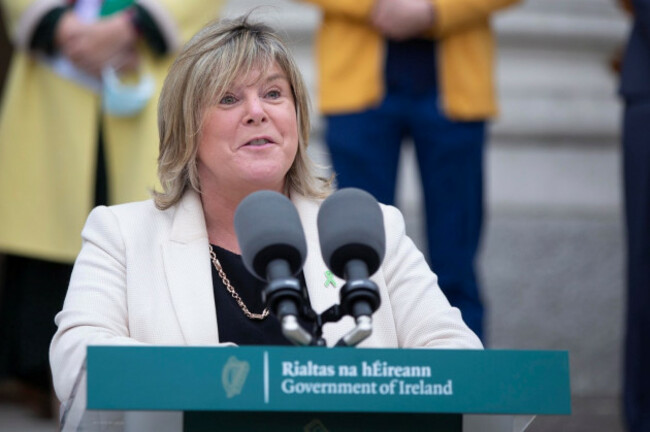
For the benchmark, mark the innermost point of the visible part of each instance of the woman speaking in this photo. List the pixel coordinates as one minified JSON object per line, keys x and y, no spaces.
{"x":233,"y":119}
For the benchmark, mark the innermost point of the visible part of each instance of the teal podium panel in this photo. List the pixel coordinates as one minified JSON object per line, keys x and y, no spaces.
{"x":335,"y":380}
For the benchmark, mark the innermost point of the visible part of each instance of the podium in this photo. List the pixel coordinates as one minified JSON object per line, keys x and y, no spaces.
{"x":311,"y":389}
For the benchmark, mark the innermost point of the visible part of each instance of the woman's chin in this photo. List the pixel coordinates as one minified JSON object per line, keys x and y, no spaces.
{"x":266,"y":183}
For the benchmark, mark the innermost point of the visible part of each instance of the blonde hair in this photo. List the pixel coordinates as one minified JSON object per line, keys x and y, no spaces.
{"x":203,"y":71}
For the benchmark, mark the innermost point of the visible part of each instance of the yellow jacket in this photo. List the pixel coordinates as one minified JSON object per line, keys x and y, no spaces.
{"x":48,"y":136}
{"x":351,"y":55}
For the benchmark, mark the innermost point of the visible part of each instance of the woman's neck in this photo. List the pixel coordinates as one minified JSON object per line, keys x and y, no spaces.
{"x":219,"y":212}
{"x":219,"y":208}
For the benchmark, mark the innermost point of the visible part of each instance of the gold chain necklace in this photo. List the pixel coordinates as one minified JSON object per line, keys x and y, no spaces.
{"x":231,"y":290}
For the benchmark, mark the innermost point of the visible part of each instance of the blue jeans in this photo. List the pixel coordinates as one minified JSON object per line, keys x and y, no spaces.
{"x":365,"y":149}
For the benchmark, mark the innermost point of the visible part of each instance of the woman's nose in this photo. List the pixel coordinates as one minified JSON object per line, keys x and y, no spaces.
{"x":255,"y":112}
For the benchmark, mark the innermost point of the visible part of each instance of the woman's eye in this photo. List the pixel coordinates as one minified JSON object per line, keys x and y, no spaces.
{"x":273,"y":94}
{"x":228,"y":100}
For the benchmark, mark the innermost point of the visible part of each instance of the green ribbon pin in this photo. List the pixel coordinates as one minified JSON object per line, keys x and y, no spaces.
{"x":329,"y":279}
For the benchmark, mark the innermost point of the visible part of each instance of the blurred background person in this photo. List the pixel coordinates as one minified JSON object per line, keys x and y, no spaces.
{"x":635,"y":90}
{"x":77,"y":129}
{"x":422,"y":69}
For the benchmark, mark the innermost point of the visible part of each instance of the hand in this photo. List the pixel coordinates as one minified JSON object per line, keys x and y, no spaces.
{"x":402,"y":19}
{"x":68,"y":29}
{"x":110,"y":41}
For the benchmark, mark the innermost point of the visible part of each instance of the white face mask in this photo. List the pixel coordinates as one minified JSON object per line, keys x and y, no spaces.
{"x":125,"y":100}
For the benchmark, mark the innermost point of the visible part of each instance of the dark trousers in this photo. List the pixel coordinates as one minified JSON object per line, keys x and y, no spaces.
{"x":365,"y":149}
{"x":33,"y":292}
{"x":636,"y":164}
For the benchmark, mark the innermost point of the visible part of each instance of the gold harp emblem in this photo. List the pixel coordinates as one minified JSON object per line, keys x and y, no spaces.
{"x":233,"y":376}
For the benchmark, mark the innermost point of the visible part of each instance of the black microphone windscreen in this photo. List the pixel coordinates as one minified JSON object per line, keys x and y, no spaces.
{"x":268,"y":227}
{"x":351,"y":226}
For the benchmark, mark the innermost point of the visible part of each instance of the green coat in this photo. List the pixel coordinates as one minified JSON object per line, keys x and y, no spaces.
{"x":48,"y":136}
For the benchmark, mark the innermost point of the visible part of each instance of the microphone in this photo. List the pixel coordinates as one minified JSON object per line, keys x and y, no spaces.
{"x":273,"y":249}
{"x":353,"y":244}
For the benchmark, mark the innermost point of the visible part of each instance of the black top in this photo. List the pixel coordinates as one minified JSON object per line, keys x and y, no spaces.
{"x":411,"y":66}
{"x":234,"y":326}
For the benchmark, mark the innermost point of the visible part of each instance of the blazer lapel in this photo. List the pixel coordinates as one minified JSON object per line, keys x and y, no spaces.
{"x":322,"y":286}
{"x":322,"y":292}
{"x":188,"y":270}
{"x":322,"y":296}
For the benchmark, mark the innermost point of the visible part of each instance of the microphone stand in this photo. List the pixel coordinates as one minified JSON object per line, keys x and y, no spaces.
{"x":359,"y":298}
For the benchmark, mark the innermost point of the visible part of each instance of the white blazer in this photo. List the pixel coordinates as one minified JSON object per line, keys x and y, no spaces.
{"x":144,"y":276}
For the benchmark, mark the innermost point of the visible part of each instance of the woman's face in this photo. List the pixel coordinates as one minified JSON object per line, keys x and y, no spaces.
{"x":249,"y":138}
